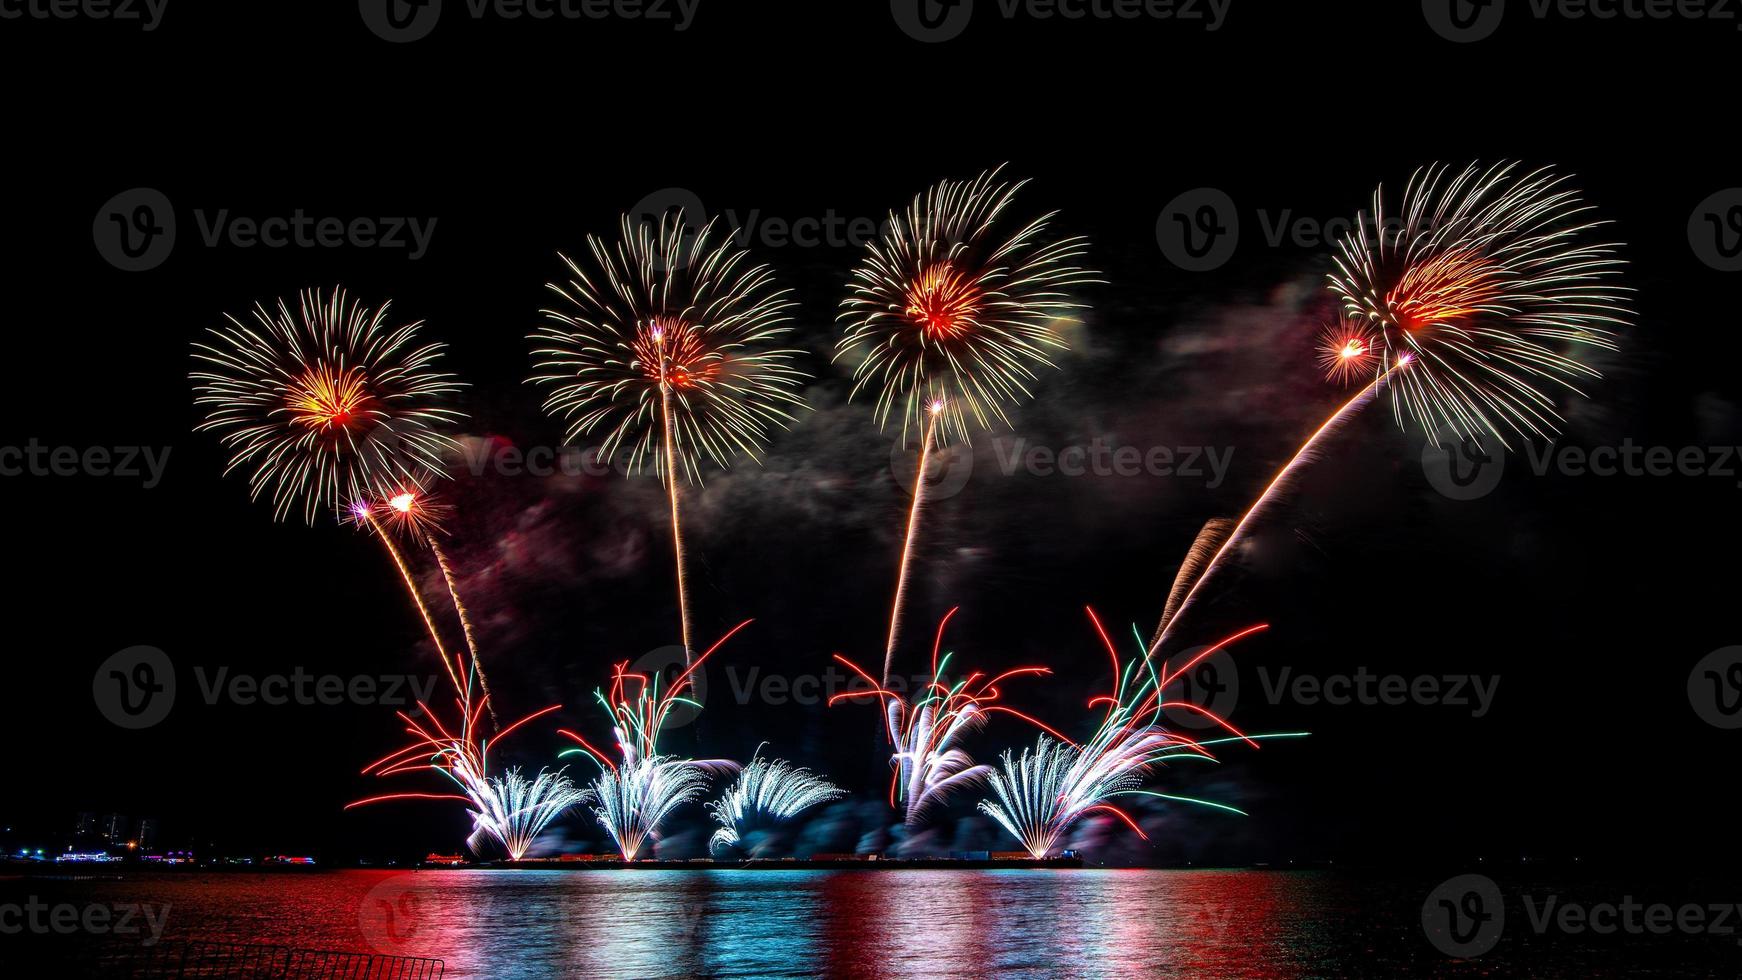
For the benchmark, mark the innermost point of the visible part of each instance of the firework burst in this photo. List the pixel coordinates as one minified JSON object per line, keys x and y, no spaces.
{"x":928,"y":762}
{"x":1490,"y":281}
{"x":326,"y":405}
{"x":958,"y":306}
{"x":634,"y":799}
{"x":666,"y":347}
{"x":514,"y":811}
{"x":1474,"y":305}
{"x":950,"y":316}
{"x":766,"y":791}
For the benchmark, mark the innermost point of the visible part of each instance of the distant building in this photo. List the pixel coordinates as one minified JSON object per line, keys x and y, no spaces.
{"x":113,"y":828}
{"x":85,"y":824}
{"x":147,"y":833}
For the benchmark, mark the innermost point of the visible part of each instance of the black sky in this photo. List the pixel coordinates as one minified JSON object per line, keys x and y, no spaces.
{"x":1591,"y":598}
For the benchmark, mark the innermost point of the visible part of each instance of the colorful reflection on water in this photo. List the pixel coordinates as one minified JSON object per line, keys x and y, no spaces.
{"x":895,"y":924}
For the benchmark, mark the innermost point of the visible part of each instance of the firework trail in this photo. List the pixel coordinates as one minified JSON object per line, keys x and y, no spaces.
{"x":928,"y":764}
{"x":515,"y":811}
{"x":665,"y":347}
{"x":1042,"y":793}
{"x":325,"y":406}
{"x":769,"y":790}
{"x":951,"y":314}
{"x":1474,"y":306}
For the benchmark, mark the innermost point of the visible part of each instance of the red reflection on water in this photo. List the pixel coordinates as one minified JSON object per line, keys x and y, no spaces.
{"x":896,"y":924}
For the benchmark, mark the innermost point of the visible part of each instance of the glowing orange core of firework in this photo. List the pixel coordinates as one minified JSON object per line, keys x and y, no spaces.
{"x":402,"y":502}
{"x":671,"y":352}
{"x":327,"y":398}
{"x":942,"y":301}
{"x":1443,"y":289}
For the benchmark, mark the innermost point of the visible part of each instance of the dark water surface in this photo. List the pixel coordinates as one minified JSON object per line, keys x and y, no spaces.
{"x":1088,"y":923}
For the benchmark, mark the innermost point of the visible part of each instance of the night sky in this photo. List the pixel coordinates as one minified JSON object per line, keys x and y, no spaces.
{"x":1590,"y":598}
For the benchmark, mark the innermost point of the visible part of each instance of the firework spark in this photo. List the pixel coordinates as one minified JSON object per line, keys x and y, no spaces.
{"x":666,"y":347}
{"x":1490,"y":281}
{"x":951,"y":315}
{"x":514,"y":811}
{"x":928,"y":764}
{"x":327,"y":405}
{"x":459,"y":753}
{"x":768,"y":791}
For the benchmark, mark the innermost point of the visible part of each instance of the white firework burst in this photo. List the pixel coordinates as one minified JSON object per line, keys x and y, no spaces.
{"x":327,"y":405}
